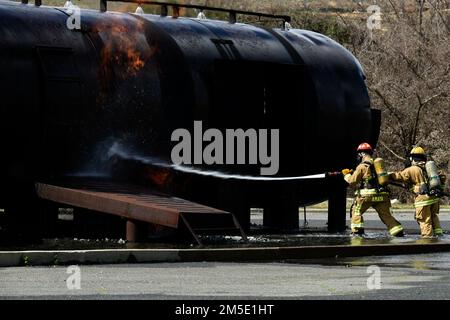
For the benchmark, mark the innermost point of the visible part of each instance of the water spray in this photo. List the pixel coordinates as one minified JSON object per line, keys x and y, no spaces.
{"x":117,"y":150}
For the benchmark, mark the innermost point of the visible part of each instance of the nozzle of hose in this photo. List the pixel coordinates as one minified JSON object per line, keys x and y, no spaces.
{"x":333,"y":174}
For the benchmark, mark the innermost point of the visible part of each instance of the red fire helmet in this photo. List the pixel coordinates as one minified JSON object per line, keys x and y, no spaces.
{"x":365,"y":147}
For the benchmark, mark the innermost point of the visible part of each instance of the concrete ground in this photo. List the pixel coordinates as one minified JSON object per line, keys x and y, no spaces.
{"x":420,"y":277}
{"x":405,"y":277}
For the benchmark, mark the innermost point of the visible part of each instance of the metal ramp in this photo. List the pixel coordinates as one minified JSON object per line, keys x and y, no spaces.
{"x":136,"y":203}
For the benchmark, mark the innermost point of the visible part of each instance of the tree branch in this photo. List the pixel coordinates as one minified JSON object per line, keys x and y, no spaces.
{"x":422,"y":104}
{"x":413,"y":135}
{"x":421,"y":6}
{"x":392,"y":111}
{"x":447,"y":26}
{"x":353,"y":40}
{"x":432,"y":98}
{"x":395,"y":9}
{"x":410,"y":65}
{"x":391,"y":151}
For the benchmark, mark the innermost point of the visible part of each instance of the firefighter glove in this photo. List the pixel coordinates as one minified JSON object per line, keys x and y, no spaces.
{"x":347,"y":171}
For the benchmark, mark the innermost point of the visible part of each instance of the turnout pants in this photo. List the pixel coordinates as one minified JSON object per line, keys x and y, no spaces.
{"x":382,"y":204}
{"x":427,"y":216}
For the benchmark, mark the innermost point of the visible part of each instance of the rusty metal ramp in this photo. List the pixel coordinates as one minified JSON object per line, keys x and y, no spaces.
{"x":137,"y":203}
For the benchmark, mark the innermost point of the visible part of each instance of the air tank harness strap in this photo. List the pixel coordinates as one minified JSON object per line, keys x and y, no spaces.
{"x":363,"y":183}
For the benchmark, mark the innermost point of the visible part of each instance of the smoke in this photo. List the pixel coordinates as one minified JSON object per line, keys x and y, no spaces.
{"x":119,"y":151}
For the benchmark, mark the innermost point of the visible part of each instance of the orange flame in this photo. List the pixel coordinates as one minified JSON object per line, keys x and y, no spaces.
{"x":125,"y":50}
{"x":159,"y":177}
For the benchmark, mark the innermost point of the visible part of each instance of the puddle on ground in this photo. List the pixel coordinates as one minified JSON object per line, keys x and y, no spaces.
{"x":254,"y":241}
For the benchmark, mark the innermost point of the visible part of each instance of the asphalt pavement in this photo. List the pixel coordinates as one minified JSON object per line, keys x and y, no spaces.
{"x":424,"y":276}
{"x":404,"y":277}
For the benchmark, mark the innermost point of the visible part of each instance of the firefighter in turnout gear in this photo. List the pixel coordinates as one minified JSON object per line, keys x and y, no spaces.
{"x":426,"y":199}
{"x":370,"y":194}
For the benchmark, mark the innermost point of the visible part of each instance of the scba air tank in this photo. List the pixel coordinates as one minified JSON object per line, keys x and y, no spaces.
{"x":433,"y":175}
{"x":382,"y":174}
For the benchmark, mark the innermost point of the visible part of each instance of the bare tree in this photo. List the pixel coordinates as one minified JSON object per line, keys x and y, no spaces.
{"x":407,"y":66}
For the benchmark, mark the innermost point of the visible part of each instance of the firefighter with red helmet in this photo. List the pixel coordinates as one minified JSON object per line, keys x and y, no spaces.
{"x":369,"y":194}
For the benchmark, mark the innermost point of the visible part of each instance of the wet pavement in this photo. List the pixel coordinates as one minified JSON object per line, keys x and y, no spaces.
{"x":372,"y":237}
{"x":421,"y":277}
{"x":313,"y":234}
{"x":424,"y":276}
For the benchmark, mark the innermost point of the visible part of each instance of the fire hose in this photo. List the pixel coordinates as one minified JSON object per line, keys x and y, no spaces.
{"x":445,"y":194}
